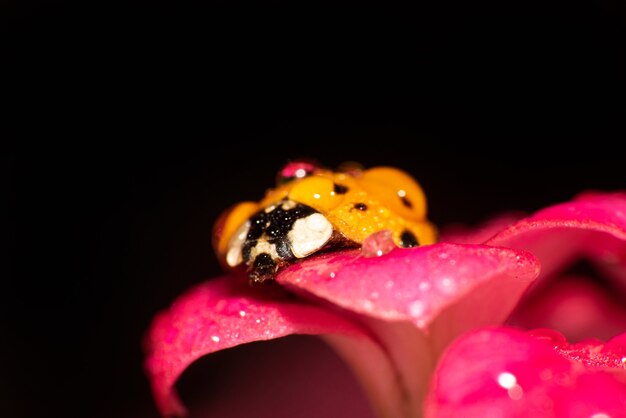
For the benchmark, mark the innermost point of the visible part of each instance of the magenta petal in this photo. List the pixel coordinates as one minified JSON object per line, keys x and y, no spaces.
{"x":420,"y":284}
{"x":509,"y":373}
{"x":223,"y":313}
{"x":594,"y":225}
{"x":417,"y":300}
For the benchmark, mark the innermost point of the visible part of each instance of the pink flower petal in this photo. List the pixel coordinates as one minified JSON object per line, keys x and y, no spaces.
{"x":594,"y":225}
{"x":509,"y":373}
{"x":575,"y":306}
{"x":420,"y":284}
{"x":419,"y":299}
{"x":223,"y":313}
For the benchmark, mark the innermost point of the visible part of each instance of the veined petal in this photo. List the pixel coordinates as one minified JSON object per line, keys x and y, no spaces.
{"x":594,"y":225}
{"x":223,"y":313}
{"x":419,"y":299}
{"x":509,"y":373}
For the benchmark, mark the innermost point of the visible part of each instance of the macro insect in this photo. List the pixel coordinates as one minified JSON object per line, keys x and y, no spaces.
{"x":315,"y":209}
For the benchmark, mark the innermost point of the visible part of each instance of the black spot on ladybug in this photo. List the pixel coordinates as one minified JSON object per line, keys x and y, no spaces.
{"x":360,"y":206}
{"x":283,"y":250}
{"x":406,"y":202}
{"x":340,"y":189}
{"x":408,"y":239}
{"x":257,"y":226}
{"x":264,"y":268}
{"x":281,"y":221}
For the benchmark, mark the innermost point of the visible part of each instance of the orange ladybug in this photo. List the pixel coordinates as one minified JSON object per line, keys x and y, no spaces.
{"x":313,"y":209}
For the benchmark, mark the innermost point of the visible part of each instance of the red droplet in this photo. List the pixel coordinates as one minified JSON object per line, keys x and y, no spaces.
{"x":296,"y":170}
{"x":377,"y":244}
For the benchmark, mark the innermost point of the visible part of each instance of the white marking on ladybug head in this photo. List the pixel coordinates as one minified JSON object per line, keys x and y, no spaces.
{"x":309,"y":234}
{"x":263,"y":246}
{"x":233,"y":256}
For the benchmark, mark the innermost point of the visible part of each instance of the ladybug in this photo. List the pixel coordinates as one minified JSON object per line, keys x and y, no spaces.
{"x":313,"y":209}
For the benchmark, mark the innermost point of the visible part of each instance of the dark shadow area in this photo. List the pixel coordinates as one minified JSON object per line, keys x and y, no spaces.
{"x":291,"y":377}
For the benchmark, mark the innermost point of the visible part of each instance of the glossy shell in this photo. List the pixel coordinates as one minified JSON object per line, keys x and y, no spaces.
{"x":293,"y":219}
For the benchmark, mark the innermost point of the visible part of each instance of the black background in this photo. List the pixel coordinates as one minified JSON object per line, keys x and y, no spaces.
{"x":137,"y":123}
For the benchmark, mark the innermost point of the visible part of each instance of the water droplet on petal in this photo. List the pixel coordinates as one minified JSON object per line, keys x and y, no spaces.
{"x":417,"y":308}
{"x":545,"y":374}
{"x":231,"y":308}
{"x":215,"y":339}
{"x":447,"y":285}
{"x":378,"y":244}
{"x":507,"y":380}
{"x":516,"y":392}
{"x":563,"y":379}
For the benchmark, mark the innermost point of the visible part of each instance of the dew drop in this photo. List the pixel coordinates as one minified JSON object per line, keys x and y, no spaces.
{"x":416,"y":308}
{"x":424,"y":286}
{"x":507,"y":380}
{"x":232,"y":308}
{"x":447,"y":285}
{"x":378,"y":244}
{"x":545,"y":374}
{"x":332,"y":275}
{"x":516,"y":392}
{"x":215,"y":339}
{"x":562,"y":379}
{"x":242,"y":313}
